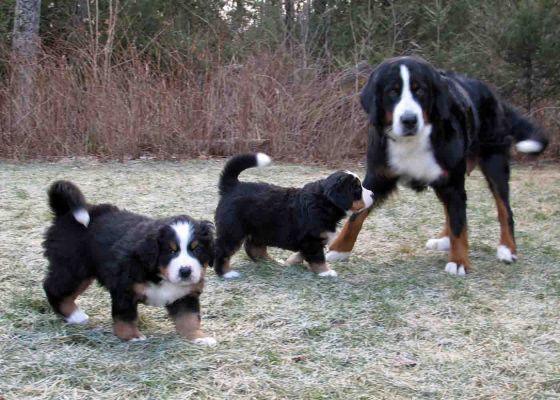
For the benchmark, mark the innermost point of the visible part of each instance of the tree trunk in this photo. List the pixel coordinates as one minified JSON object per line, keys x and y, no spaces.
{"x":25,"y":48}
{"x":289,"y":22}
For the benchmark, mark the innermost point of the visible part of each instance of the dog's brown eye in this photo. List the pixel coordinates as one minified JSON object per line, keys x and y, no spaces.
{"x":414,"y":86}
{"x":194,"y":244}
{"x":173,"y":247}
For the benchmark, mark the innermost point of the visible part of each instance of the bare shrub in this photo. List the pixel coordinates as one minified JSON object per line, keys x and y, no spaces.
{"x":136,"y":108}
{"x":133,"y":107}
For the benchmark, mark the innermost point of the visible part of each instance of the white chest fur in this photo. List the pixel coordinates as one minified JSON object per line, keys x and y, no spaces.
{"x":164,"y":293}
{"x":413,"y":157}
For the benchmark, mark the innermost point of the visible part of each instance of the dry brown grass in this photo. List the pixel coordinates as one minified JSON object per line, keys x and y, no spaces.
{"x":282,"y":332}
{"x":137,"y":108}
{"x":134,"y":107}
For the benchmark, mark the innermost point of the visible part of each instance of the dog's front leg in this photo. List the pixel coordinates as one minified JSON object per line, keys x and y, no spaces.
{"x":186,"y":315}
{"x":454,"y":199}
{"x":314,"y":254}
{"x":124,"y":310}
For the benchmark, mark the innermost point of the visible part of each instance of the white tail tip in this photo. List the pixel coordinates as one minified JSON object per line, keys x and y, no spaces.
{"x":263,"y":160}
{"x":82,"y":216}
{"x":529,"y":146}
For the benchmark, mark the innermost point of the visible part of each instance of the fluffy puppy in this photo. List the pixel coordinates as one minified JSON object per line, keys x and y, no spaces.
{"x":137,"y":259}
{"x":301,"y":220}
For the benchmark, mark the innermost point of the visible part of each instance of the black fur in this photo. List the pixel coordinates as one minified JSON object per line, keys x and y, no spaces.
{"x":268,"y":215}
{"x":470,"y":124}
{"x":118,"y":248}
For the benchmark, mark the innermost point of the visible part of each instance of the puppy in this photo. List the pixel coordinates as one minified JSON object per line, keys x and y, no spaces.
{"x":301,"y":220}
{"x":137,"y":259}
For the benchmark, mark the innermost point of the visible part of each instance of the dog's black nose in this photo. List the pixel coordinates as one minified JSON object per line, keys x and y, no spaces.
{"x":184,"y":272}
{"x":409,"y":120}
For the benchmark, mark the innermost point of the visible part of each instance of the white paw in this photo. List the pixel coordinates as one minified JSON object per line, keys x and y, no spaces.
{"x":441,"y":244}
{"x":504,"y":254}
{"x":231,"y":275}
{"x":138,"y":339}
{"x":205,"y":341}
{"x":333,"y":256}
{"x":78,"y":317}
{"x":453,"y":269}
{"x":329,"y":273}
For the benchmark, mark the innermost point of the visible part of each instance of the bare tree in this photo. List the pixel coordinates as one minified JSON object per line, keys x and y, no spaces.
{"x":289,"y":22}
{"x":25,"y":48}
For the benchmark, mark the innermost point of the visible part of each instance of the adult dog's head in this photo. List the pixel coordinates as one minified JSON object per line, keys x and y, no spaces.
{"x":344,"y":189}
{"x":179,"y":250}
{"x":404,"y":96}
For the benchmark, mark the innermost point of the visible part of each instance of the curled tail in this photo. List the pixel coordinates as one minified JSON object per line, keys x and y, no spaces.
{"x":528,"y":137}
{"x":238,"y":164}
{"x":65,"y":197}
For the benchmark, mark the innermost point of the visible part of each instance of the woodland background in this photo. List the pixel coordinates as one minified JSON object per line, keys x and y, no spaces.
{"x":121,"y":79}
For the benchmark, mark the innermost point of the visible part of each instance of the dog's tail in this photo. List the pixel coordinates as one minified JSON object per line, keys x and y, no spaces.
{"x":528,"y":137}
{"x":238,"y":164}
{"x":65,"y":197}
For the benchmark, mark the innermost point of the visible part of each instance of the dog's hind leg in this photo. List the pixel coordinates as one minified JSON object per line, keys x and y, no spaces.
{"x":226,"y":247}
{"x":254,"y":251}
{"x":495,"y":168}
{"x":62,"y":290}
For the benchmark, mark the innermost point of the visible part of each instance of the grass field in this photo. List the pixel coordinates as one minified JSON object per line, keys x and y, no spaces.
{"x":393,"y":325}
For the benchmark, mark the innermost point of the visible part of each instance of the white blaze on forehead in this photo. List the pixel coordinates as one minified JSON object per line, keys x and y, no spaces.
{"x":412,"y":157}
{"x":183,"y":232}
{"x":406,"y":104}
{"x":353,"y":174}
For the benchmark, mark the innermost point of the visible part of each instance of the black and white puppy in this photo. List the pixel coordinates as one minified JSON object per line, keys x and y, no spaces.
{"x":301,"y":220}
{"x":137,"y":259}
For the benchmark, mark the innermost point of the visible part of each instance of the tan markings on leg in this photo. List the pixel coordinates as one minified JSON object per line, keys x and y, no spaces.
{"x":227,"y":265}
{"x":68,"y":305}
{"x":319,"y":267}
{"x":126,"y":330}
{"x":256,"y":252}
{"x":358,"y":205}
{"x":445,"y":230}
{"x":459,"y":251}
{"x":294,"y":258}
{"x":506,"y":235}
{"x":471,"y":165}
{"x":188,"y":325}
{"x":346,"y":239}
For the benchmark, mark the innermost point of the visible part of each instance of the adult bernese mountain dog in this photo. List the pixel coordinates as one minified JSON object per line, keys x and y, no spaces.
{"x":158,"y":262}
{"x":301,"y":220}
{"x":431,"y":128}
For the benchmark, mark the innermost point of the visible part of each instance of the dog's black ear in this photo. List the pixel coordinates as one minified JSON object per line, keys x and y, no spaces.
{"x":440,"y":110}
{"x":147,"y":250}
{"x":205,"y":236}
{"x":370,"y":100}
{"x":338,"y":191}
